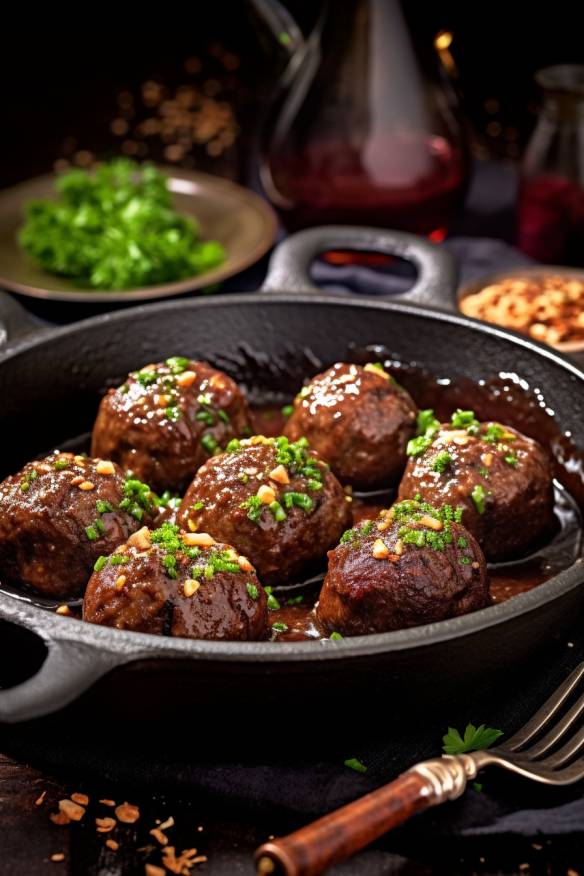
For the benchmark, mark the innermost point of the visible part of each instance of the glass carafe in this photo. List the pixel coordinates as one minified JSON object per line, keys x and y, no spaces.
{"x":551,"y":194}
{"x":368,"y":129}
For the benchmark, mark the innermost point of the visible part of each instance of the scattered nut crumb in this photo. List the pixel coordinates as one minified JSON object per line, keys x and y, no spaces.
{"x":168,"y":823}
{"x":82,"y":799}
{"x":73,"y":811}
{"x":59,"y":818}
{"x":104,"y":825}
{"x":153,"y":870}
{"x":127,"y":813}
{"x":159,"y":836}
{"x":39,"y":800}
{"x":107,"y":802}
{"x":58,"y":857}
{"x":63,"y":609}
{"x":86,"y":485}
{"x":112,"y":844}
{"x":105,"y":467}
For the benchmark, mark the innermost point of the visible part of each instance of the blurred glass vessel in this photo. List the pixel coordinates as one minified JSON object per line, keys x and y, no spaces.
{"x":551,"y":194}
{"x":367,"y":130}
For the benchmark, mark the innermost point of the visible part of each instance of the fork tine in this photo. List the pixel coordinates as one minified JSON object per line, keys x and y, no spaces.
{"x":546,"y":712}
{"x":556,"y":733}
{"x":567,"y":751}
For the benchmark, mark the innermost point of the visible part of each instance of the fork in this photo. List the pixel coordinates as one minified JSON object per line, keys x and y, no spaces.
{"x":552,"y":758}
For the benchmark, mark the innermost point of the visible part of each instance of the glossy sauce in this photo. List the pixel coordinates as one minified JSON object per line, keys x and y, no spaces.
{"x":506,"y":399}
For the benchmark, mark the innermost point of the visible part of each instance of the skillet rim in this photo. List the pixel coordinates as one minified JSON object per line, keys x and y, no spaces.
{"x":131,"y":646}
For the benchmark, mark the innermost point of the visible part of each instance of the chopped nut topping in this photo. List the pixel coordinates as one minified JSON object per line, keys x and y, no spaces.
{"x":374,"y":369}
{"x":159,"y":836}
{"x":244,"y":564}
{"x":168,"y":823}
{"x":162,"y":400}
{"x":476,"y":565}
{"x":58,"y":857}
{"x":198,"y":539}
{"x":112,"y":844}
{"x":383,"y":525}
{"x":86,"y":485}
{"x":127,"y":813}
{"x":39,"y":801}
{"x":105,"y":467}
{"x":190,"y":587}
{"x":487,"y":459}
{"x":266,"y":495}
{"x":64,"y":609}
{"x":73,"y":811}
{"x":120,"y":582}
{"x":380,"y":549}
{"x":187,"y":378}
{"x":398,"y":547}
{"x":451,"y":435}
{"x":250,"y":470}
{"x":82,"y":799}
{"x":431,"y":522}
{"x":258,"y":439}
{"x":280,"y":475}
{"x":77,"y":480}
{"x":461,"y":440}
{"x":140,"y":539}
{"x":107,"y":802}
{"x":104,"y":825}
{"x":192,"y":525}
{"x":79,"y":459}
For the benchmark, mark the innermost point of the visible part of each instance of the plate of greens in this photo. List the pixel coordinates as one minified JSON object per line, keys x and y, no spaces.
{"x":128,"y":231}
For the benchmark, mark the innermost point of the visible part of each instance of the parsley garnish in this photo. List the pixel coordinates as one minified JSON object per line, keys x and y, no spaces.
{"x":478,"y":496}
{"x":252,"y":590}
{"x":511,"y":459}
{"x":441,"y":462}
{"x":355,"y":764}
{"x":475,"y":739}
{"x":465,"y":420}
{"x":426,"y":427}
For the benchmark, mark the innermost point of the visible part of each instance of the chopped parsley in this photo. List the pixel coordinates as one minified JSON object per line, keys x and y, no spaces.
{"x":277,"y":511}
{"x":273,"y":603}
{"x":335,"y":636}
{"x":408,"y":514}
{"x":493,"y":433}
{"x":351,"y":535}
{"x":478,"y":496}
{"x":300,"y":500}
{"x":288,"y":410}
{"x":355,"y":764}
{"x":253,"y":591}
{"x":178,"y":364}
{"x":474,"y":739}
{"x":254,"y":507}
{"x":210,"y":445}
{"x":279,"y":627}
{"x":138,"y":498}
{"x":441,"y":461}
{"x":465,"y":420}
{"x":61,"y":464}
{"x":511,"y":460}
{"x":426,"y":427}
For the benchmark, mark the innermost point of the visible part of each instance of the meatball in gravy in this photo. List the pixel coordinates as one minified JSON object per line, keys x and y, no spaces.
{"x":359,"y":420}
{"x":173,"y":583}
{"x":413,"y":565}
{"x":276,"y":501}
{"x":167,"y":419}
{"x":501,"y":479}
{"x":59,"y":514}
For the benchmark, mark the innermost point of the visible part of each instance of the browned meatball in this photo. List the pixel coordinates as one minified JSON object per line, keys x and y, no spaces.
{"x":173,"y":583}
{"x":166,"y":420}
{"x":275,"y":501}
{"x":359,"y":420}
{"x":59,"y":514}
{"x":501,"y":479}
{"x":413,"y":565}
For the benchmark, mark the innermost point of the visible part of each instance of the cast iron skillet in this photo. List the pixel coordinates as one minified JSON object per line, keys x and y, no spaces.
{"x":50,"y":384}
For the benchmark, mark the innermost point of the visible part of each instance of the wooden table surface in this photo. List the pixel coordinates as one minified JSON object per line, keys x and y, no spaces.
{"x":28,"y":837}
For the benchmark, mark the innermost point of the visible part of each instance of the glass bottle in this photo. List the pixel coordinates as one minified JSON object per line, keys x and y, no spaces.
{"x":551,"y":192}
{"x":368,"y":131}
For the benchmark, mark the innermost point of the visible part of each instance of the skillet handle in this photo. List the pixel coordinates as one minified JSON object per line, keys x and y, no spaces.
{"x":15,"y":321}
{"x":435,"y":285}
{"x":70,"y":667}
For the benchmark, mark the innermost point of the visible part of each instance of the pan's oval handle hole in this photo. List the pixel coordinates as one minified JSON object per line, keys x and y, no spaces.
{"x":363,"y":273}
{"x":31,"y":653}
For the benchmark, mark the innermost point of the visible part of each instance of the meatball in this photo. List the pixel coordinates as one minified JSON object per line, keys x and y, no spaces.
{"x":413,"y":565}
{"x":173,"y":583}
{"x":501,"y":479}
{"x":59,"y":514}
{"x":166,"y":420}
{"x":275,"y":501}
{"x":359,"y":420}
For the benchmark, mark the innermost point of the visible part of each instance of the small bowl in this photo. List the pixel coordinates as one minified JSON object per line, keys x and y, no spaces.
{"x":573,"y":348}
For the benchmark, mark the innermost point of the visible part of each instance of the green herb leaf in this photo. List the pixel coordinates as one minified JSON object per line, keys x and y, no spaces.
{"x":478,"y":496}
{"x":441,"y":462}
{"x":474,"y":739}
{"x":252,"y":590}
{"x":355,"y":764}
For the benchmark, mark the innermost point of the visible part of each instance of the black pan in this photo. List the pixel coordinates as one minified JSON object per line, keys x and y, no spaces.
{"x":50,"y":384}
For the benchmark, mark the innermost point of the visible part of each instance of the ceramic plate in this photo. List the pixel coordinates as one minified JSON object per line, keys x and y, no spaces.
{"x":236,"y":217}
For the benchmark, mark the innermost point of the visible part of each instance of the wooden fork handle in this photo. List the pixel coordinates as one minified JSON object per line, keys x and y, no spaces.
{"x":338,"y":835}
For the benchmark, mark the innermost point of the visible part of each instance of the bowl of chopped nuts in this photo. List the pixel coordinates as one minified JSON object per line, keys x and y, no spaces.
{"x":544,"y":302}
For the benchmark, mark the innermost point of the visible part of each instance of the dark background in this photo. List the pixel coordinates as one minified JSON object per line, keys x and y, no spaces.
{"x":62,"y":82}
